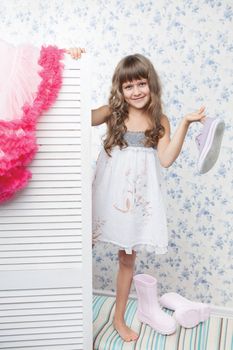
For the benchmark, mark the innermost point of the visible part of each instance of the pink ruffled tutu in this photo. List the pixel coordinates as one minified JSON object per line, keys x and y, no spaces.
{"x":29,"y":85}
{"x":19,"y":78}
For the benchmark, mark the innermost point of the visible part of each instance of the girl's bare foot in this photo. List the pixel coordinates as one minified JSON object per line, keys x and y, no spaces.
{"x":125,"y":332}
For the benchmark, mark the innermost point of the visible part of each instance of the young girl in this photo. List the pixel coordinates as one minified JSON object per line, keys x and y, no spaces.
{"x":128,"y":193}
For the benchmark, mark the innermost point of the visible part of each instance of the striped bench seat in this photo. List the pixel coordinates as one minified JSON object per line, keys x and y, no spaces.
{"x":214,"y":334}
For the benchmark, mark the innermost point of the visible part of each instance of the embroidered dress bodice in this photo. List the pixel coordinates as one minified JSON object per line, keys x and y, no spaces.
{"x":135,"y":138}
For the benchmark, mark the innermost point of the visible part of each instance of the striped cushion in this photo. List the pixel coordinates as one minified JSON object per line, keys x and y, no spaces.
{"x":214,"y":334}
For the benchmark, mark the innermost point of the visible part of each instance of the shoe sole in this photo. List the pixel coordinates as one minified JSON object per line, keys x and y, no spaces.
{"x":210,"y":152}
{"x":189,"y":318}
{"x":142,"y":318}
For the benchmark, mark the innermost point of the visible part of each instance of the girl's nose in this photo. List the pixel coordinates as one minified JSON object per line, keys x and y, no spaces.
{"x":136,"y":90}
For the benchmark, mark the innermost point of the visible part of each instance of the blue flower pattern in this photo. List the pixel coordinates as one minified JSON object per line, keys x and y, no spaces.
{"x":189,"y":43}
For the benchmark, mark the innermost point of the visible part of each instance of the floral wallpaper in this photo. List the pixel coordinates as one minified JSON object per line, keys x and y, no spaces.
{"x":190,"y":45}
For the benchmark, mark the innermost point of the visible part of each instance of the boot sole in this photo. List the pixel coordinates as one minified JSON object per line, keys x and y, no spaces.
{"x":211,"y":150}
{"x":191,"y":317}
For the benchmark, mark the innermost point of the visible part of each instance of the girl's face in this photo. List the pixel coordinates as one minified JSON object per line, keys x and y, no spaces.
{"x":136,"y":93}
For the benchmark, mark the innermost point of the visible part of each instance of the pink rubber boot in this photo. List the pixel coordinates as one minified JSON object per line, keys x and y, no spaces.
{"x":187,"y":313}
{"x":149,"y":310}
{"x":209,"y":143}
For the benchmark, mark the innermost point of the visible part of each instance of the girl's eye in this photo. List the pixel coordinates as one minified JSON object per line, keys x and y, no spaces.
{"x":142,"y":83}
{"x":128,"y":87}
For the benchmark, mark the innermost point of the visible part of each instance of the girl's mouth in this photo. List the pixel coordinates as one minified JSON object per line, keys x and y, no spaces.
{"x":139,"y":98}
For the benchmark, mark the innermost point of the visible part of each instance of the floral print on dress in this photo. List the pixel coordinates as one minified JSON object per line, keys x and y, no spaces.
{"x":134,"y":197}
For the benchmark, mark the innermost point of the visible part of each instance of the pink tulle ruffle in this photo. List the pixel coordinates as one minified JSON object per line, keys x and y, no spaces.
{"x":17,"y":137}
{"x":19,"y":78}
{"x":14,"y":180}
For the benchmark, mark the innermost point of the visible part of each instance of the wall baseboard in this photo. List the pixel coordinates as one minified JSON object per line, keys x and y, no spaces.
{"x":218,"y":311}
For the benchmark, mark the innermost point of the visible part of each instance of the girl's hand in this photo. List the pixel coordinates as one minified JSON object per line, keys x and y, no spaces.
{"x":75,"y":52}
{"x":198,"y":116}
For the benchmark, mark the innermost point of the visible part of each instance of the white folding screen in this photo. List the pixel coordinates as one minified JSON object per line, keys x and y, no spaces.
{"x":45,"y":231}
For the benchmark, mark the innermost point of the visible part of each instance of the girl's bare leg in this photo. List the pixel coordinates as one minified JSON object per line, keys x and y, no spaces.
{"x":124,"y":280}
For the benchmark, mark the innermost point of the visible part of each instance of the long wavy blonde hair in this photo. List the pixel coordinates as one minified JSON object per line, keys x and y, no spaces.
{"x":131,"y":68}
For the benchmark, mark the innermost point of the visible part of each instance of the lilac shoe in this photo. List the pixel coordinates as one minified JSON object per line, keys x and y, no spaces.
{"x":187,"y":313}
{"x":209,"y":143}
{"x":149,"y":310}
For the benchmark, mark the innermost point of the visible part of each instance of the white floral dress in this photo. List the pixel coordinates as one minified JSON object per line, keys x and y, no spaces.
{"x":129,"y":207}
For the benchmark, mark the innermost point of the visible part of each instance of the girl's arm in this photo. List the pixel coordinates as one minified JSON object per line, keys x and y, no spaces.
{"x":100,"y":115}
{"x":168,"y":150}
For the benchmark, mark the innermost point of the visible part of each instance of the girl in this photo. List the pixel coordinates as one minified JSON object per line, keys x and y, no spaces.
{"x":128,"y":192}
